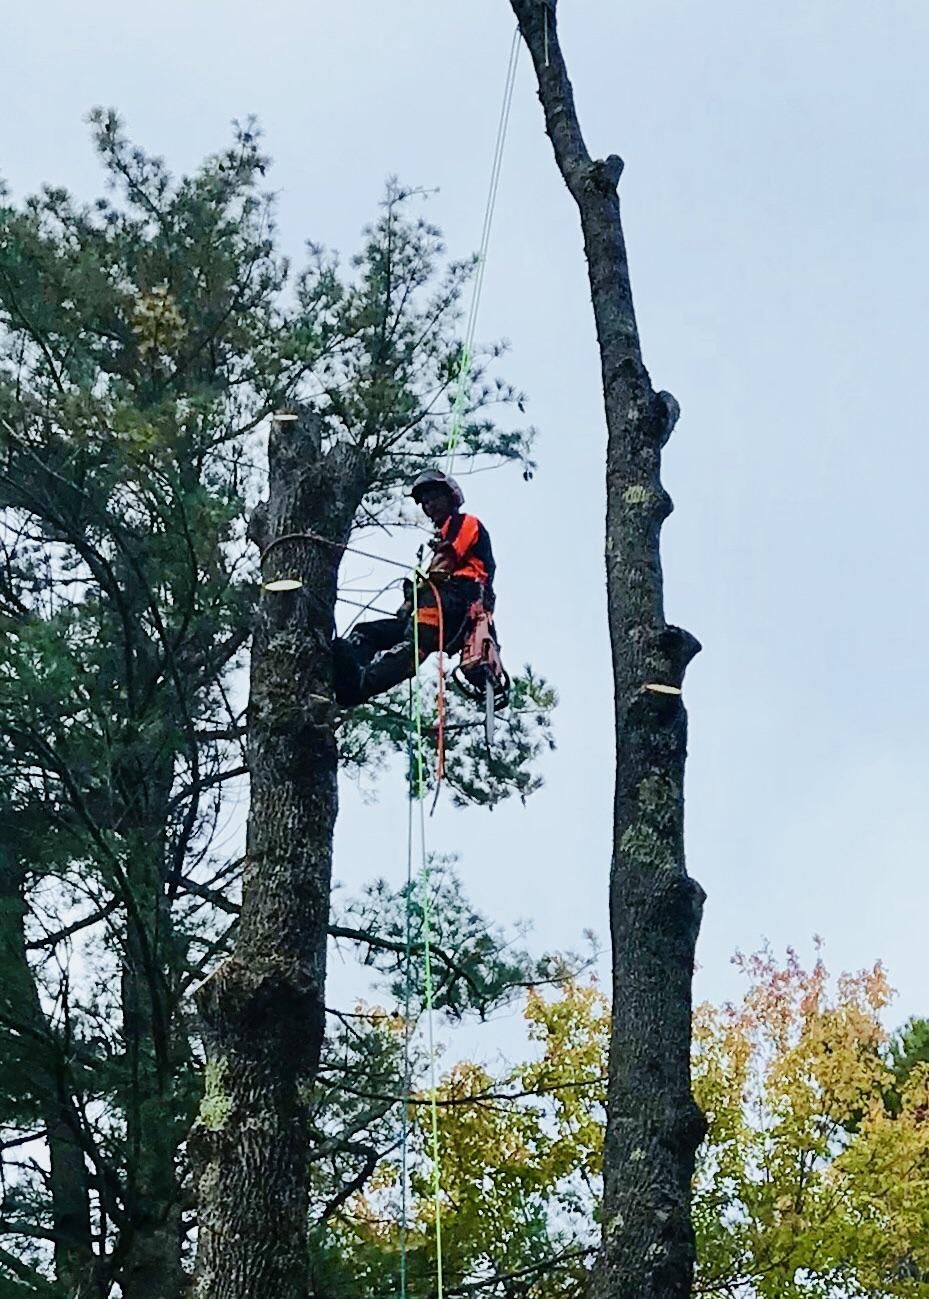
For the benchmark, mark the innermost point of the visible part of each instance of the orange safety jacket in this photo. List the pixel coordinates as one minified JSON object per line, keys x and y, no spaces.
{"x":469,"y":542}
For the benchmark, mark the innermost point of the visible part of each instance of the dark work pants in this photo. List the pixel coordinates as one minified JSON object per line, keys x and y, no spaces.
{"x":378,"y":655}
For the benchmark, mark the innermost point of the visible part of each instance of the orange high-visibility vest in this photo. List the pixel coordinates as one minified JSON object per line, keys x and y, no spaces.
{"x":470,"y":542}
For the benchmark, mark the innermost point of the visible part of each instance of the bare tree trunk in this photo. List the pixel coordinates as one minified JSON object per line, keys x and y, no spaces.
{"x":653,"y":1123}
{"x":149,"y":1252}
{"x":263,"y":1010}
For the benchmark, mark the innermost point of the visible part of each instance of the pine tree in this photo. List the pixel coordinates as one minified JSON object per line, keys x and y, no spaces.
{"x":144,"y":342}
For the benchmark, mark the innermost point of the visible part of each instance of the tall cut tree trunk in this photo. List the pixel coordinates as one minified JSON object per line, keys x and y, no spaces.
{"x":263,"y":1010}
{"x":653,"y":1123}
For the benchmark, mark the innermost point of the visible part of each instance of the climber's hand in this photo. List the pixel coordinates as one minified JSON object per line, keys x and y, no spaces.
{"x":444,"y":560}
{"x":407,"y":607}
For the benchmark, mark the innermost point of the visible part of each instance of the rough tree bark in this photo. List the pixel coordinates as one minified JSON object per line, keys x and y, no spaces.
{"x":263,"y":1010}
{"x":653,"y":1123}
{"x":148,"y":1257}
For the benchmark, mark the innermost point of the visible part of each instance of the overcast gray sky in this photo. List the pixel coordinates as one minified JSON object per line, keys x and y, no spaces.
{"x":775,"y":199}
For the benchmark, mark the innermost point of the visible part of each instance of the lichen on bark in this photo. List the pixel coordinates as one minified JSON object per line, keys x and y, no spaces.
{"x":216,"y":1104}
{"x":653,"y":1123}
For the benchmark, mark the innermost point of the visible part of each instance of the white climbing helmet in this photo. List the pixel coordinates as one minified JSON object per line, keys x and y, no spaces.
{"x":435,"y":478}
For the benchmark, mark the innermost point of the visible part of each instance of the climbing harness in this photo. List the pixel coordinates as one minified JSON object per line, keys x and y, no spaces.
{"x":480,"y":672}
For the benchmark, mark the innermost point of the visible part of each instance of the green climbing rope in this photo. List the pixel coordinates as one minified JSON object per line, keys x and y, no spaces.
{"x":407,"y":1022}
{"x":417,"y":779}
{"x":467,"y":356}
{"x":417,"y":764}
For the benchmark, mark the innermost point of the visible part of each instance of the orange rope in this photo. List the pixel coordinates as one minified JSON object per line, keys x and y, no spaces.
{"x":440,"y":701}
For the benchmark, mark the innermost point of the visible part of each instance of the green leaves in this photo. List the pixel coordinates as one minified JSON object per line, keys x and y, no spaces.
{"x":475,"y":966}
{"x":388,"y":373}
{"x":474,"y":775}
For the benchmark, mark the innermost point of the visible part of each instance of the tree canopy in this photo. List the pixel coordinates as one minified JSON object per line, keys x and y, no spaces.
{"x":812,"y":1179}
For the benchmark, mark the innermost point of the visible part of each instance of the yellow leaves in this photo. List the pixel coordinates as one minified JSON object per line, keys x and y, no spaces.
{"x":574,"y":1031}
{"x":809,"y":1182}
{"x":487,"y":1142}
{"x":157,"y":323}
{"x":721,"y":1062}
{"x":517,"y":1146}
{"x":885,"y":1175}
{"x":377,"y":1017}
{"x":492,"y":1157}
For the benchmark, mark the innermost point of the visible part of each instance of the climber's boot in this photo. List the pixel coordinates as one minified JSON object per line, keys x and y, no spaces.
{"x":388,"y":670}
{"x":348,"y":669}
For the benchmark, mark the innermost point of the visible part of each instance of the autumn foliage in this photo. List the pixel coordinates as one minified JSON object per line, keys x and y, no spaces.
{"x":813,"y":1179}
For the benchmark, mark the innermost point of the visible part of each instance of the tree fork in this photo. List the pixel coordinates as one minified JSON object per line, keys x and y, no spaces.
{"x":263,"y":1011}
{"x":653,"y":1123}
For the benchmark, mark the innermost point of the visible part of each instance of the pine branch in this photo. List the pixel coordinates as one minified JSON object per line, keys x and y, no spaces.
{"x":371,"y":1158}
{"x":29,"y":1276}
{"x":531,"y":1272}
{"x":59,"y":936}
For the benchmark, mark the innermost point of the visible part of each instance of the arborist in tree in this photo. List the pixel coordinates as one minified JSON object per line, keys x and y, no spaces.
{"x":378,"y":655}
